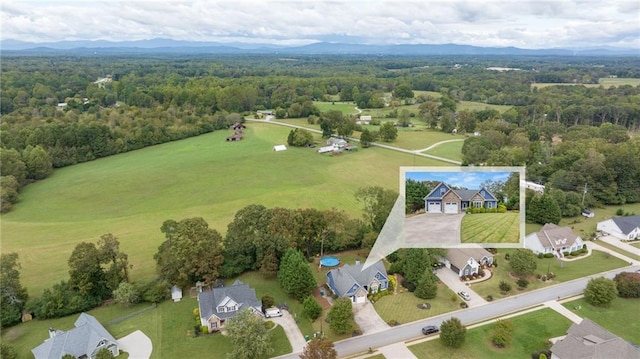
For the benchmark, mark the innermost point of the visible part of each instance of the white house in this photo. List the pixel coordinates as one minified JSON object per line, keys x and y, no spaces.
{"x":364,"y":120}
{"x":625,"y":228}
{"x":553,"y":239}
{"x":534,"y":186}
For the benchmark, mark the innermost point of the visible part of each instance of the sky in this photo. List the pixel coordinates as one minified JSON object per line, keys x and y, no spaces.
{"x":524,"y":24}
{"x":469,"y":180}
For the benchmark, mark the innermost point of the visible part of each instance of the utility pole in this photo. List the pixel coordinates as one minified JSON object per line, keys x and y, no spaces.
{"x":584,"y":193}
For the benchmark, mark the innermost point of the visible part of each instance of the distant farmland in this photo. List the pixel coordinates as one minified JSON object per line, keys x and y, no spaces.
{"x":604,"y":82}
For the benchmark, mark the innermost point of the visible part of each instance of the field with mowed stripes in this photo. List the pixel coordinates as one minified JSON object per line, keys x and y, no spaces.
{"x":491,"y":228}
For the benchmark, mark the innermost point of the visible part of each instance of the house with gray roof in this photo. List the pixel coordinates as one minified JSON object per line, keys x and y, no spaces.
{"x":588,"y":340}
{"x":626,"y":228}
{"x":467,"y":261}
{"x":221,"y":304}
{"x":444,"y":199}
{"x":84,"y":341}
{"x":354,"y":283}
{"x":553,"y":239}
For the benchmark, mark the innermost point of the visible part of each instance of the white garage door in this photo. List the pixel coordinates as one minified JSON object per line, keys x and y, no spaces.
{"x":434,"y":207}
{"x":450,"y":208}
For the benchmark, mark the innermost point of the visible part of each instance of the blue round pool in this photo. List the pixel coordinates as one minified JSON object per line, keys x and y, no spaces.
{"x":329,"y":261}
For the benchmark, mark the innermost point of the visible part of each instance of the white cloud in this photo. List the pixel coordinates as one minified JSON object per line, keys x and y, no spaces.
{"x":527,"y":24}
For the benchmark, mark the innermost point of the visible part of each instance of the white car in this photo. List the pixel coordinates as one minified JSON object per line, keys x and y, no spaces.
{"x":272,"y":312}
{"x":464,"y":295}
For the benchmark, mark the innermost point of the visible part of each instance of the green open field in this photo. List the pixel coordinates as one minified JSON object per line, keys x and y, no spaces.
{"x":452,"y":150}
{"x":491,"y":228}
{"x":622,"y":317}
{"x":530,"y":334}
{"x":348,"y":108}
{"x":605,"y":82}
{"x":132,"y":194}
{"x":565,"y":271}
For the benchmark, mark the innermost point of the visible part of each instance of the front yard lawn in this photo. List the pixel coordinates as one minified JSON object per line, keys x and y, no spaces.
{"x":531,"y":332}
{"x":490,"y":228}
{"x":403,"y":307}
{"x":565,"y":271}
{"x":621,"y":318}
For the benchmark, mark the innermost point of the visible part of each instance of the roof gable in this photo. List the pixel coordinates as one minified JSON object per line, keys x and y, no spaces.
{"x":238,"y":293}
{"x":436,"y":193}
{"x":460,"y":257}
{"x":349,"y":278}
{"x":627,"y":224}
{"x":554,"y":236}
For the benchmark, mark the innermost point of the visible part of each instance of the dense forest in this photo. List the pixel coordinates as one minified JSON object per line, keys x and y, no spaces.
{"x":61,"y":110}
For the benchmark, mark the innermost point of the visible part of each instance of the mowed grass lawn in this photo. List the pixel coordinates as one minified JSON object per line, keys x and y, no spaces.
{"x":491,"y":228}
{"x":622,"y":317}
{"x":530,"y":333}
{"x":565,"y":271}
{"x":403,"y":306}
{"x":132,"y":194}
{"x":452,"y":150}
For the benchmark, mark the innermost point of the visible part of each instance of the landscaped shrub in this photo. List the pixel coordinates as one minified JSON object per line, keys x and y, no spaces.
{"x":543,"y":278}
{"x":204,"y":329}
{"x":619,"y":212}
{"x":393,"y":323}
{"x":540,"y":255}
{"x":566,"y":254}
{"x":507,"y":256}
{"x":548,"y":255}
{"x":489,"y":298}
{"x":464,"y":305}
{"x":551,"y":275}
{"x":504,"y":286}
{"x":522,"y":282}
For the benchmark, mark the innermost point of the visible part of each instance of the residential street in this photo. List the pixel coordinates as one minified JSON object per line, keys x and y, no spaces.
{"x":490,"y":310}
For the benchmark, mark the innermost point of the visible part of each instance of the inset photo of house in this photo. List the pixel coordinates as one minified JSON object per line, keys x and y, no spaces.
{"x":451,"y":207}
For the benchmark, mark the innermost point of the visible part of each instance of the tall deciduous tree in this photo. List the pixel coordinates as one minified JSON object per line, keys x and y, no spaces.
{"x":8,"y":193}
{"x":13,"y":295}
{"x":319,"y":348}
{"x":249,"y":336}
{"x":377,"y":202}
{"x":367,"y":137}
{"x":38,"y":162}
{"x":191,"y":253}
{"x":295,"y":276}
{"x":388,"y":132}
{"x":340,"y":316}
{"x":600,"y":291}
{"x":86,"y":276}
{"x":117,"y":262}
{"x":523,"y":262}
{"x":453,"y":333}
{"x":543,"y":209}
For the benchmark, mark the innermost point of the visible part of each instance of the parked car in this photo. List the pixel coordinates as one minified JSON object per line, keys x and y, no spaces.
{"x":272,"y":312}
{"x":464,"y":295}
{"x":430,"y":329}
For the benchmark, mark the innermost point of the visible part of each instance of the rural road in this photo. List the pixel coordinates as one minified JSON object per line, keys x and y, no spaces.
{"x":490,"y":310}
{"x":412,"y":152}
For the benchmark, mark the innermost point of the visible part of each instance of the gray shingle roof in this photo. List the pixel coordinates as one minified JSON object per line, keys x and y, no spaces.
{"x":81,"y":340}
{"x":346,"y":276}
{"x":588,"y":340}
{"x":459,"y":256}
{"x":239,"y":292}
{"x":553,"y":236}
{"x":627,"y":224}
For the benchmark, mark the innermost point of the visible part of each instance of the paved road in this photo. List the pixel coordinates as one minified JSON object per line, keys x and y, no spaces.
{"x":620,"y":244}
{"x":490,"y":310}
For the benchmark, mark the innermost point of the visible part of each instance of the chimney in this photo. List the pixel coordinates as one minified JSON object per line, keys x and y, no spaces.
{"x":52,"y":332}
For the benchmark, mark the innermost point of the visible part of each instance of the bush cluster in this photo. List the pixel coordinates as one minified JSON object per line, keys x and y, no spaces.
{"x":504,"y":286}
{"x":376,"y":296}
{"x":474,"y":210}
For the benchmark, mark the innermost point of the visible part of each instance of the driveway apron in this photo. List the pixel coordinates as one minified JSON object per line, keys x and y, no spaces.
{"x":368,"y":319}
{"x":451,"y":279}
{"x":288,"y":323}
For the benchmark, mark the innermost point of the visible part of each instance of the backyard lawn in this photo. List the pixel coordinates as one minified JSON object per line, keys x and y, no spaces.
{"x":565,"y":271}
{"x":622,"y":317}
{"x":491,"y":228}
{"x":531,"y":332}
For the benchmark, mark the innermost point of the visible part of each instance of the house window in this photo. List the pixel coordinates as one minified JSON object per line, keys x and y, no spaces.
{"x":477,"y":204}
{"x":222,"y":309}
{"x":442,"y":191}
{"x":489,"y":204}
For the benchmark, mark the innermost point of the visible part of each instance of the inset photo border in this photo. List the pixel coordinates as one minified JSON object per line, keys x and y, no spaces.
{"x":458,"y":207}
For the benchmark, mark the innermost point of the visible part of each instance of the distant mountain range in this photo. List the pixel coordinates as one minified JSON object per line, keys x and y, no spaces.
{"x":193,"y":47}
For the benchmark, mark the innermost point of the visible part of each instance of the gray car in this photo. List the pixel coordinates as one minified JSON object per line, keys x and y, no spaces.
{"x":464,"y":295}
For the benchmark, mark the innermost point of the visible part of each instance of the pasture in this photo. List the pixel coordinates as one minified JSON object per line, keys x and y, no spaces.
{"x":132,"y":194}
{"x":490,"y":228}
{"x":347,"y":108}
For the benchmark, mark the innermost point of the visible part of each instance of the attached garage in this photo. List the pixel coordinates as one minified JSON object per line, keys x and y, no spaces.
{"x":450,"y":207}
{"x":434,"y":207}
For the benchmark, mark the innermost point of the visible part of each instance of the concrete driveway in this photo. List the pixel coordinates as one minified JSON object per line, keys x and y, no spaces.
{"x":288,"y":323}
{"x":137,"y":344}
{"x":433,"y":228}
{"x":368,"y":319}
{"x":451,"y":279}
